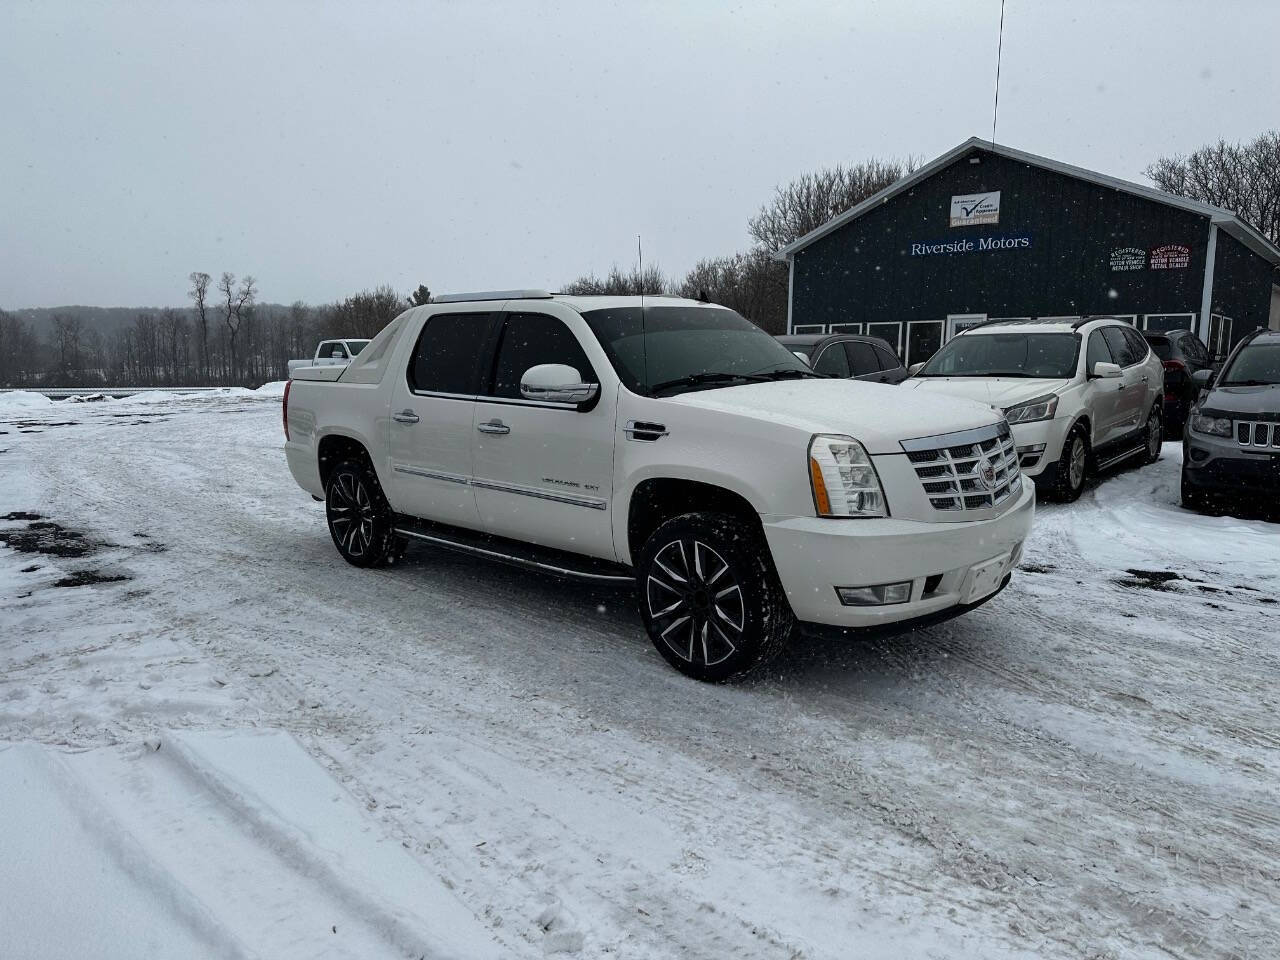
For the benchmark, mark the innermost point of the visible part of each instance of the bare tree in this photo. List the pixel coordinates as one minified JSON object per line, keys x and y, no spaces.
{"x":812,"y":199}
{"x":365,"y":313}
{"x":1243,"y":177}
{"x":66,"y":337}
{"x":617,"y":283}
{"x":753,"y":284}
{"x":199,"y":292}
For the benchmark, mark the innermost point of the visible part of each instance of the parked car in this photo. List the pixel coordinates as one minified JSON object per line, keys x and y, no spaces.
{"x":1183,"y":356}
{"x":1232,"y":442}
{"x":669,"y":444}
{"x":1080,"y":395}
{"x":331,"y":353}
{"x":847,"y":355}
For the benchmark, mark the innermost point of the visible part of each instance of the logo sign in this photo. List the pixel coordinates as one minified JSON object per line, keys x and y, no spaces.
{"x":1172,"y":256}
{"x":1128,"y":258}
{"x":975,"y":208}
{"x":980,"y":245}
{"x":986,"y":473}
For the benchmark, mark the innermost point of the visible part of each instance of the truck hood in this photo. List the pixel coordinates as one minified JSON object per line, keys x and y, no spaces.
{"x":999,"y":392}
{"x":1243,"y":403}
{"x":878,"y":415}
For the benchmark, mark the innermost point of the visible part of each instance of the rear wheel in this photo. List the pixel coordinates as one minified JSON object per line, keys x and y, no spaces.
{"x":1073,"y":466}
{"x":1154,"y":435}
{"x":359,"y":516}
{"x":710,"y":598}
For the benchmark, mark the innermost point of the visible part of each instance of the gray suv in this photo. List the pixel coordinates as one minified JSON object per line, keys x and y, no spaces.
{"x":1232,"y":443}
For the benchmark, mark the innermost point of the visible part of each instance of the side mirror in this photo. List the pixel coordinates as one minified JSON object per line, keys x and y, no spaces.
{"x":1203,"y":379}
{"x":914,"y":369}
{"x":556,"y":383}
{"x":1106,"y":371}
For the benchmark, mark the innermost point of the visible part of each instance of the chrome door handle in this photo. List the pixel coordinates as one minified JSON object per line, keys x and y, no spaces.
{"x":493,"y":426}
{"x":405,"y":416}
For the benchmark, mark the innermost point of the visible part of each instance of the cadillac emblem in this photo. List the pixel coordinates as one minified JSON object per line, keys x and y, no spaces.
{"x":986,"y":472}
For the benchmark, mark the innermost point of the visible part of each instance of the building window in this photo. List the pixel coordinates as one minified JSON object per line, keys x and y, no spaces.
{"x":1219,"y":336}
{"x":845,"y":328}
{"x":1164,"y":322}
{"x":924,"y":337}
{"x":891,"y":333}
{"x":958,"y":323}
{"x":808,"y":328}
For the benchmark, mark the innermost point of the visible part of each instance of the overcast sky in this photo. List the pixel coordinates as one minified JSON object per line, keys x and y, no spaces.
{"x":327,"y":148}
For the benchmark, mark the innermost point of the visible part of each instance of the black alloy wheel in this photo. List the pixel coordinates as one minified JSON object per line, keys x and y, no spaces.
{"x":359,"y":516}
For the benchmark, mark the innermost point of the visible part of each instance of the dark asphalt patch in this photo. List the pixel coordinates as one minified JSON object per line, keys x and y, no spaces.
{"x":51,"y":539}
{"x":87,"y":578}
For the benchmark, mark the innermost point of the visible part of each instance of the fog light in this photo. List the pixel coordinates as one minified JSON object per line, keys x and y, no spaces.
{"x":877,"y":596}
{"x":1032,"y":448}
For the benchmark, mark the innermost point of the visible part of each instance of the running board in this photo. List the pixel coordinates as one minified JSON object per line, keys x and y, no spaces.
{"x":1123,"y":456}
{"x":556,"y":563}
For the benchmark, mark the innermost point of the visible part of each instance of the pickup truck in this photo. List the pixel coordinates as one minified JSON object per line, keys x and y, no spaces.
{"x":331,"y":353}
{"x":667,"y":444}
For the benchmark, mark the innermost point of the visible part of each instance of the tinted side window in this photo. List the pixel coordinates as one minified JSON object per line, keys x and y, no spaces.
{"x":1137,"y":344}
{"x":448,"y":350}
{"x":833,"y":361}
{"x":862,"y":358}
{"x":1098,"y":351}
{"x":1162,"y":347}
{"x":529,"y":339}
{"x":1119,"y":344}
{"x":1193,"y":348}
{"x":888,"y":361}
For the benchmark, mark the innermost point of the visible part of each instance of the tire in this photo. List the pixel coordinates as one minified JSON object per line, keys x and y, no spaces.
{"x":710,"y":597}
{"x":1192,"y":499}
{"x":360,"y":519}
{"x":1073,"y":466}
{"x":1153,"y":434}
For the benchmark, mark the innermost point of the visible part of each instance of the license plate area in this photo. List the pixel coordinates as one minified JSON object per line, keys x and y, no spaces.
{"x":984,"y":578}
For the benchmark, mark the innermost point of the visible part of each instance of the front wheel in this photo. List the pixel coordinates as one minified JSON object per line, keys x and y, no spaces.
{"x":359,"y":516}
{"x":710,"y":598}
{"x":1073,"y":466}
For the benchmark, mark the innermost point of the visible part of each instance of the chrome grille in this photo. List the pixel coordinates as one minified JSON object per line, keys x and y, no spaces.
{"x":951,"y":468}
{"x":1258,"y":434}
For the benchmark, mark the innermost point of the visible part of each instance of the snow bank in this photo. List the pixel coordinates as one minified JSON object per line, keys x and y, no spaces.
{"x":273,"y":389}
{"x":19,"y":400}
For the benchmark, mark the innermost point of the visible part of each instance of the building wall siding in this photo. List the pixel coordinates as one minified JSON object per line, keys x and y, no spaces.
{"x":1241,"y":286}
{"x":866,"y":271}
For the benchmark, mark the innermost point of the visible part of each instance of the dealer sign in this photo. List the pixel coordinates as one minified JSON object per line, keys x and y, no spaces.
{"x":975,"y":208}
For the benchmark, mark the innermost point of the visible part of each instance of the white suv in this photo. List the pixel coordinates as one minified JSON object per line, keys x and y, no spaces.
{"x":1080,"y":394}
{"x":668,"y":444}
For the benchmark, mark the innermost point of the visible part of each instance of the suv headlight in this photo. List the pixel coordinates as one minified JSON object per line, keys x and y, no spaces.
{"x":1041,"y":408}
{"x":1213,"y":426}
{"x":843,"y":479}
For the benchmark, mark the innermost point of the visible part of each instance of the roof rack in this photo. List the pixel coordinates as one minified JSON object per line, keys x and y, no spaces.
{"x":493,"y":295}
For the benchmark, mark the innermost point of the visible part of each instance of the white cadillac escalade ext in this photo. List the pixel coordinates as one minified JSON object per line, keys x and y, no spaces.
{"x":667,"y":443}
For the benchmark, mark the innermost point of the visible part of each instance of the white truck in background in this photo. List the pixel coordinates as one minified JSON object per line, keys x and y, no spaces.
{"x":667,"y":444}
{"x":331,"y":353}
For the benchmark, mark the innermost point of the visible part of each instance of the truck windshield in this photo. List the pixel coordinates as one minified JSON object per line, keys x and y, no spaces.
{"x":689,"y":348}
{"x":1256,"y":365}
{"x":1033,"y":355}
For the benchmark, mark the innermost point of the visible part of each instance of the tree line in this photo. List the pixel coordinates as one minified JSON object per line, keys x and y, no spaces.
{"x":227,"y":337}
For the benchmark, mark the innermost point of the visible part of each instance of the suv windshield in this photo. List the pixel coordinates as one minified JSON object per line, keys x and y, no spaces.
{"x":1039,"y":355}
{"x":1256,"y":365}
{"x":689,"y":348}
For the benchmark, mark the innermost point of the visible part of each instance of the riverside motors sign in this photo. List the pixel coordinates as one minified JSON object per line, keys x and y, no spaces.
{"x":970,"y":209}
{"x":979,"y":245}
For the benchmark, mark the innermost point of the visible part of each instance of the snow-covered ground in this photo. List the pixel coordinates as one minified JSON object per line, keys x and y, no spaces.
{"x":216,"y":739}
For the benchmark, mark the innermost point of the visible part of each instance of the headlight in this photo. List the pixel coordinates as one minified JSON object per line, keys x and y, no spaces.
{"x":1213,"y":426}
{"x":1041,"y":408}
{"x":843,"y":480}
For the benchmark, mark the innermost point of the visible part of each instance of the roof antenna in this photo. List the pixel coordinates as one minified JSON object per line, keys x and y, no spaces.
{"x":644,"y":337}
{"x":999,"y":53}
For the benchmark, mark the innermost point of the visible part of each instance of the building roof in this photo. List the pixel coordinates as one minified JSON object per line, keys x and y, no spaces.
{"x":1225,"y":219}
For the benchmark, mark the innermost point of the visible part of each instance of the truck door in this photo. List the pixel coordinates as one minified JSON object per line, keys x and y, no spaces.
{"x":429,"y":430}
{"x":543,"y":470}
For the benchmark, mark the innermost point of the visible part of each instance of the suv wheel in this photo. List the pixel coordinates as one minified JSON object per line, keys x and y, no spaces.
{"x":710,"y":598}
{"x":1154,"y":435}
{"x":1192,"y":499}
{"x":1073,"y":466}
{"x":359,"y":516}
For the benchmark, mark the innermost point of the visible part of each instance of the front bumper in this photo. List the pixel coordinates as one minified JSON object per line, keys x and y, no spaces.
{"x":815,"y":555}
{"x":1221,"y":465}
{"x":1048,"y":435}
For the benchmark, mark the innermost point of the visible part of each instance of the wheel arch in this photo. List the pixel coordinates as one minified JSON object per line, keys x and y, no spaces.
{"x":337,"y":445}
{"x":654,"y":500}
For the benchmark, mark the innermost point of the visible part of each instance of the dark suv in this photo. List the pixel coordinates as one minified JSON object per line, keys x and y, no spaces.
{"x":1183,"y":356}
{"x":848,"y":355}
{"x":1232,"y":442}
